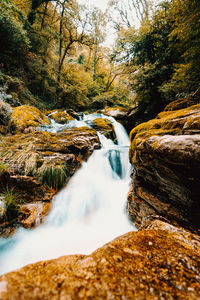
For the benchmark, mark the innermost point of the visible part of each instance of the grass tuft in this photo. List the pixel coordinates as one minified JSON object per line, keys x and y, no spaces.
{"x":55,"y":176}
{"x":10,"y":203}
{"x":24,"y":157}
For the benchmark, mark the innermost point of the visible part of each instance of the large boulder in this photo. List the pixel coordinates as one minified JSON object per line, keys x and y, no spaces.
{"x":165,"y":154}
{"x":27,"y":116}
{"x":157,"y":262}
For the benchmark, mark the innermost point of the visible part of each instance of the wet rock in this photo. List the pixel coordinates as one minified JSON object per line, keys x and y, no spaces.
{"x":165,"y":154}
{"x":72,"y":113}
{"x":35,"y":212}
{"x":119,"y":113}
{"x":25,"y":191}
{"x":61,"y":117}
{"x":105,"y":127}
{"x":158,"y":262}
{"x":27,"y":116}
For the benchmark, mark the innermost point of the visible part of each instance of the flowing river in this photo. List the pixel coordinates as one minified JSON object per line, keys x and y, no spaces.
{"x":87,"y":213}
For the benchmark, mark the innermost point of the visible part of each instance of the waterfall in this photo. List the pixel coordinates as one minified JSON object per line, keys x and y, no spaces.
{"x":87,"y":213}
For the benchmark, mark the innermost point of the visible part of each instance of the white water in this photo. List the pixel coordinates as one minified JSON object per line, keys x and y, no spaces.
{"x":86,"y":214}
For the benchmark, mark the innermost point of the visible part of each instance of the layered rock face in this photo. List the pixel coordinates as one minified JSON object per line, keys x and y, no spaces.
{"x":165,"y":154}
{"x":158,"y":262}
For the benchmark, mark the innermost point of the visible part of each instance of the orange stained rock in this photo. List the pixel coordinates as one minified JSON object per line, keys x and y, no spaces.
{"x":157,"y":262}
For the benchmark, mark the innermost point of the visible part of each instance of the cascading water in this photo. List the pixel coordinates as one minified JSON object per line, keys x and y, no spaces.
{"x":85,"y":214}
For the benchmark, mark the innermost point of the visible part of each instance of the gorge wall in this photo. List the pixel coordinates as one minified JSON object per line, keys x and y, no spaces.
{"x":165,"y":154}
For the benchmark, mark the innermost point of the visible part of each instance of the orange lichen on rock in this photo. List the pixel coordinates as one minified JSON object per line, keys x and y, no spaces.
{"x":27,"y":116}
{"x":183,"y":121}
{"x":165,"y":154}
{"x":105,"y":127}
{"x":61,"y":117}
{"x":157,"y":262}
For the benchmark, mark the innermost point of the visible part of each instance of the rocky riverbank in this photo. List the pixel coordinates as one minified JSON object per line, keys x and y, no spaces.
{"x":165,"y":153}
{"x":35,"y":164}
{"x":158,"y":262}
{"x":161,"y":260}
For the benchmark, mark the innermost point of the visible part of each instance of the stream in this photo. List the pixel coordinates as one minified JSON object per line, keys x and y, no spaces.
{"x":87,"y":213}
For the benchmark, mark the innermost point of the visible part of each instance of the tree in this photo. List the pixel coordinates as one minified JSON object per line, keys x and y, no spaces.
{"x":75,"y":27}
{"x":186,"y":34}
{"x":14,"y":41}
{"x":126,"y":13}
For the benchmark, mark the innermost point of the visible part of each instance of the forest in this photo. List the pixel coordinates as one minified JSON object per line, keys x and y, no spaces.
{"x":53,"y":54}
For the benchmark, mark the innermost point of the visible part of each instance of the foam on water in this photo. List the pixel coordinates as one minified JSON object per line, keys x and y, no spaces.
{"x":87,"y":213}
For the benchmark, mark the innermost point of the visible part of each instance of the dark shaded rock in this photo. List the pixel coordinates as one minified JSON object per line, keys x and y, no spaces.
{"x":5,"y":113}
{"x":165,"y":153}
{"x":72,"y":113}
{"x":158,"y":262}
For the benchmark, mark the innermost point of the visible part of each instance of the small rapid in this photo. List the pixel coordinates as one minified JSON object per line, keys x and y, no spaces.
{"x":87,"y":213}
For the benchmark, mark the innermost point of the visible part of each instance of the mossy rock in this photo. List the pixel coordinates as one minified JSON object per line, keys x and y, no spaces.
{"x":27,"y":116}
{"x":105,"y":127}
{"x":48,"y":156}
{"x":178,"y":122}
{"x":116,"y":112}
{"x":61,"y":117}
